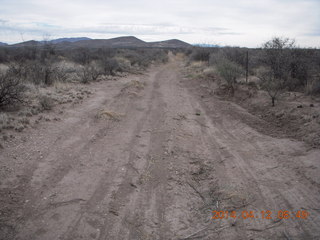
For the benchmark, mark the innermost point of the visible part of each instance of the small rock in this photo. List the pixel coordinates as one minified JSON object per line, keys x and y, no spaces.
{"x":133,"y":185}
{"x":114,"y":212}
{"x":311,"y":105}
{"x":299,"y":106}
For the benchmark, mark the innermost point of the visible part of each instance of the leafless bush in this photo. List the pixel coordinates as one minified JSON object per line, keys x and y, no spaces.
{"x":89,"y":73}
{"x":11,"y":88}
{"x":40,"y":72}
{"x":80,"y":55}
{"x":60,"y":74}
{"x":271,"y":84}
{"x":278,"y":57}
{"x":109,"y":66}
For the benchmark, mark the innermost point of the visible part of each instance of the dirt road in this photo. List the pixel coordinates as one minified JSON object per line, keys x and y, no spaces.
{"x":150,"y":157}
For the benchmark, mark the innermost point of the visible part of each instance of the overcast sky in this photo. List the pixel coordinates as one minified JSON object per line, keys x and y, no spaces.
{"x":246,"y":23}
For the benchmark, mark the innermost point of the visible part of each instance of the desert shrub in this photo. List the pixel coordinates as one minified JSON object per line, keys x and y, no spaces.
{"x":80,"y":55}
{"x":89,"y":73}
{"x":278,"y":57}
{"x":313,"y":86}
{"x":40,"y":72}
{"x":162,"y":57}
{"x":134,"y":58}
{"x":229,"y":71}
{"x":216,"y":57}
{"x":186,"y":51}
{"x":137,"y":58}
{"x":124,"y":63}
{"x":106,"y":53}
{"x":3,"y":55}
{"x":60,"y":74}
{"x":236,"y":55}
{"x":200,"y":54}
{"x":46,"y":102}
{"x":109,"y":66}
{"x":11,"y":88}
{"x":22,"y":54}
{"x":271,"y":84}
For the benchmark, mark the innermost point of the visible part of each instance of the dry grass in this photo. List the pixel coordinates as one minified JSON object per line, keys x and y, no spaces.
{"x":232,"y":198}
{"x":198,"y":64}
{"x":109,"y":115}
{"x":135,"y":84}
{"x":4,"y":119}
{"x":180,"y":56}
{"x":210,"y":72}
{"x":62,"y":86}
{"x":133,"y":87}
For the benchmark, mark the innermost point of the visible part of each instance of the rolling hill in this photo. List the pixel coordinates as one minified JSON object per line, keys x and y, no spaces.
{"x":173,"y":43}
{"x":61,"y":40}
{"x":119,"y":42}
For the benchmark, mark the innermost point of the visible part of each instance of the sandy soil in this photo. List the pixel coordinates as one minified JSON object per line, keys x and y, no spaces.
{"x":150,"y":157}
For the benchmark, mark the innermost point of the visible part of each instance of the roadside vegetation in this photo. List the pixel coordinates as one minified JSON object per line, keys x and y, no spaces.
{"x":278,"y":82}
{"x":35,"y":78}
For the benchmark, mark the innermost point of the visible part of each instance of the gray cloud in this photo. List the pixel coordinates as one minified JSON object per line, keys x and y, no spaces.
{"x":233,"y":22}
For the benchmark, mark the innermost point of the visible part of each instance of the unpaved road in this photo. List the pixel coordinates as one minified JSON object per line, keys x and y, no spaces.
{"x":149,"y":157}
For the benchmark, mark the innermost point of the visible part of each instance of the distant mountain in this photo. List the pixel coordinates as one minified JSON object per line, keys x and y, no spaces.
{"x":31,"y":43}
{"x":3,"y":44}
{"x":119,"y":42}
{"x":173,"y":43}
{"x":205,"y":45}
{"x":76,"y":39}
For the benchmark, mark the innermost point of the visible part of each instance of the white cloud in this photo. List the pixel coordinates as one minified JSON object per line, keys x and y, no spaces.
{"x":233,"y":22}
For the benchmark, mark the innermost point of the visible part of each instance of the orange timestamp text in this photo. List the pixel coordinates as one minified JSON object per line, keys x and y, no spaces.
{"x":281,"y":214}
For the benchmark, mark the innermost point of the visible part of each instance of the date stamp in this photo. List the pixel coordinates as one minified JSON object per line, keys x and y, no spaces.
{"x":281,"y":214}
